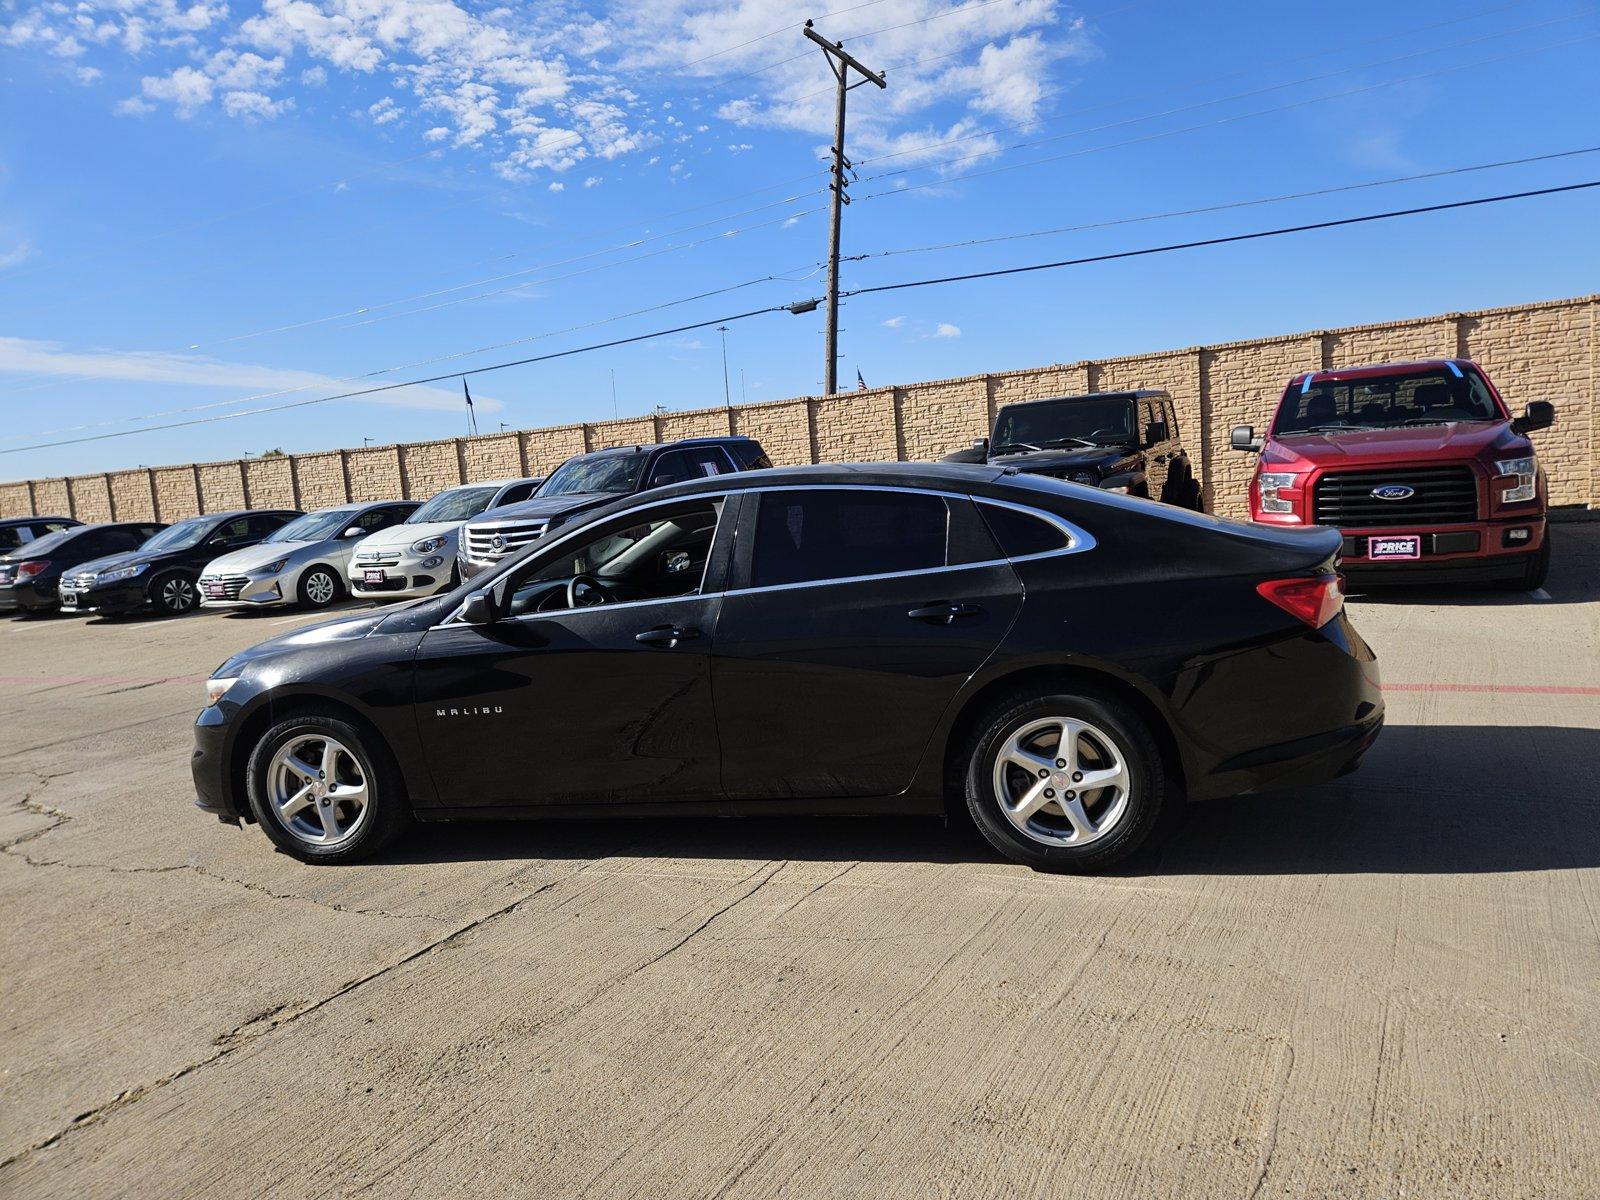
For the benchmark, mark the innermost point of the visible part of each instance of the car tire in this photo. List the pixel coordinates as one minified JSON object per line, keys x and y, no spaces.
{"x":319,"y":587}
{"x":173,"y":594}
{"x":1535,"y":570}
{"x":362,"y":769}
{"x":1070,"y":832}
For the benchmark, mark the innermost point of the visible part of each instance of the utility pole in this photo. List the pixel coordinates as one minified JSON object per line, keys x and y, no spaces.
{"x":840,"y":63}
{"x":727,"y":398}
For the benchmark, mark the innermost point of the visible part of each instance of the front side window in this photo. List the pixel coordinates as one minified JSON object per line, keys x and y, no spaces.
{"x":1426,"y":397}
{"x":617,"y":474}
{"x":654,"y":559}
{"x":1051,"y":424}
{"x":842,"y":533}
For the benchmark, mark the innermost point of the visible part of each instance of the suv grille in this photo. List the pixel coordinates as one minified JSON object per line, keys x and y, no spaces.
{"x":1445,"y":495}
{"x":511,"y":536}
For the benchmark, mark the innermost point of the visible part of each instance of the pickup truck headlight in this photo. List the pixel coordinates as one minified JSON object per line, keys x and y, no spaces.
{"x":120,"y":573}
{"x":429,"y":544}
{"x":1270,"y":483}
{"x":1525,"y":472}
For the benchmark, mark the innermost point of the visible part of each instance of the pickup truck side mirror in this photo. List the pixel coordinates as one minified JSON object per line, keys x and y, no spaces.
{"x":980,"y":443}
{"x":1243,"y":437}
{"x":1155,"y":433}
{"x":1540,"y":414}
{"x":477,"y":609}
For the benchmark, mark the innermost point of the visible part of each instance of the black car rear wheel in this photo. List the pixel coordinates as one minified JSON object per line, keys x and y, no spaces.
{"x":173,"y":594}
{"x":1064,"y":781}
{"x":324,"y":791}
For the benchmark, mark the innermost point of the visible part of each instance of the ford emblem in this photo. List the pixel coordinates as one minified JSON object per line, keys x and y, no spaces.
{"x":1393,"y":491}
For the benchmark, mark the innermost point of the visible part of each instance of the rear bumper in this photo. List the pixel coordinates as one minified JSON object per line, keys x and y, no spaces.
{"x":25,"y":597}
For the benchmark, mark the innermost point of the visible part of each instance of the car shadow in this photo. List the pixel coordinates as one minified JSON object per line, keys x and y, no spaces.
{"x":1428,"y":800}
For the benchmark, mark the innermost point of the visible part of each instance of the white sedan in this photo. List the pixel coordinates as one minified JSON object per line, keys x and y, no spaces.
{"x":302,"y":563}
{"x":417,"y":558}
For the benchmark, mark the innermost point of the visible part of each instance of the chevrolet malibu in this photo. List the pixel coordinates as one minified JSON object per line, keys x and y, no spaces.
{"x":1059,"y":660}
{"x":302,"y":563}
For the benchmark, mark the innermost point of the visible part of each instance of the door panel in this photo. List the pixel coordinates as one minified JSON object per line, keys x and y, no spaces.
{"x":572,"y":708}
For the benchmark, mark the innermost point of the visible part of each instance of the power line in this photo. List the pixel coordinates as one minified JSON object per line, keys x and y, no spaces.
{"x":1232,"y":204}
{"x":1222,"y":241}
{"x":807,"y":306}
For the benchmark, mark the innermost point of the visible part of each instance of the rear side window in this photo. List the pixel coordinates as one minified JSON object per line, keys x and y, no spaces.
{"x":122,"y":539}
{"x":1020,"y":533}
{"x":839,"y":533}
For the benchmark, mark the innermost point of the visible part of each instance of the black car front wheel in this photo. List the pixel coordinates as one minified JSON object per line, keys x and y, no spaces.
{"x":324,"y":791}
{"x":1064,"y":781}
{"x":173,"y":594}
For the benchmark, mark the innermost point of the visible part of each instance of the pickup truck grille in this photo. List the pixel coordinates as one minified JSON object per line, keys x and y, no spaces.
{"x":1445,"y":495}
{"x":511,"y":536}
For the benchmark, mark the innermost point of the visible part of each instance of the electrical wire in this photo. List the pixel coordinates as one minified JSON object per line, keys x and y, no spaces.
{"x":864,"y":291}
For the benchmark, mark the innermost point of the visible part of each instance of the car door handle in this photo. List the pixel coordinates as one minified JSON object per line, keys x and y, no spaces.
{"x":666,"y":635}
{"x":944,"y":613}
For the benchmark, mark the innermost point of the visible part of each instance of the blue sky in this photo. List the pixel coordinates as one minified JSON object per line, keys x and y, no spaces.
{"x":241,"y":205}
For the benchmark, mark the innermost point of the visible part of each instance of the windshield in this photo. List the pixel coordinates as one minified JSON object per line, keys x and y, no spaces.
{"x":616,"y":473}
{"x":314,"y":527}
{"x":178,"y":537}
{"x":1425,"y":397}
{"x":39,"y":547}
{"x":455,"y":505}
{"x":1063,"y":423}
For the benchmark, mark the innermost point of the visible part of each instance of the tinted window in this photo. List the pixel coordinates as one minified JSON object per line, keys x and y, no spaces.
{"x":10,"y":536}
{"x":1020,"y":534}
{"x":679,"y":466}
{"x":1044,"y":424}
{"x":113,"y":540}
{"x":516,"y":493}
{"x":840,"y":533}
{"x":264,"y":523}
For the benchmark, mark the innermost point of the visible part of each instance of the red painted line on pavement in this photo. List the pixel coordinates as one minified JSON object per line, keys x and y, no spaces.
{"x":1513,"y":688}
{"x":87,"y":680}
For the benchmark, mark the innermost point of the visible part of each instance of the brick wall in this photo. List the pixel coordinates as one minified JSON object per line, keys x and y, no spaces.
{"x":1548,"y":351}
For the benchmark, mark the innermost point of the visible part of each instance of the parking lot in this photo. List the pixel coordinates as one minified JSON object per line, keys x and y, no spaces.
{"x":1385,"y":986}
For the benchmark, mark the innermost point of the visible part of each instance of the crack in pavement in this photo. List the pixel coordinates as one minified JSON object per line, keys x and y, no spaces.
{"x":263,"y":1024}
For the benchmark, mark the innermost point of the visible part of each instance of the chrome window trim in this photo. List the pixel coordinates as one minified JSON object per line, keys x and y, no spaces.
{"x":1079,"y":541}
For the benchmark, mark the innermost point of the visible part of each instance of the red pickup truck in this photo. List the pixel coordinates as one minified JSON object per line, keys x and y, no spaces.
{"x":1419,"y":464}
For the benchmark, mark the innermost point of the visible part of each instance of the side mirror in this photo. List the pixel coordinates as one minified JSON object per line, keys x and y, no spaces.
{"x":477,"y":609}
{"x":1155,"y":433}
{"x":1540,"y":414}
{"x":980,"y":443}
{"x":663,"y":480}
{"x":1243,"y":437}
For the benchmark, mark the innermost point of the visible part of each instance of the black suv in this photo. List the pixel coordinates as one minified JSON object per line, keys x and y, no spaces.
{"x":587,"y":481}
{"x":30,"y":573}
{"x":161,"y":574}
{"x":1120,"y":441}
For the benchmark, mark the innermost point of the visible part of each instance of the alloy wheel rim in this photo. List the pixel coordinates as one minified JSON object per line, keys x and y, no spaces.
{"x":318,"y":789}
{"x":178,"y":593}
{"x":1061,"y":781}
{"x":319,"y":587}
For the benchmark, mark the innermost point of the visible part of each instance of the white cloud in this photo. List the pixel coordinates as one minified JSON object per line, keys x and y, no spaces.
{"x":894,"y":322}
{"x":946,"y":330}
{"x":19,"y":253}
{"x":314,"y":77}
{"x":593,"y":181}
{"x":25,"y":357}
{"x":557,"y":186}
{"x":385,"y":111}
{"x":186,"y":89}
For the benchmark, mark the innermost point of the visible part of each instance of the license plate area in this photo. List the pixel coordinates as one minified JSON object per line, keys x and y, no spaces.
{"x":69,"y":599}
{"x":216,"y":591}
{"x":374,"y":575}
{"x":1389,"y":547}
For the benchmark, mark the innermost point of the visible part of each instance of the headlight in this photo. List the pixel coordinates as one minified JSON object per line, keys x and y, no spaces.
{"x":119,"y":573}
{"x":1092,"y":478}
{"x":216,"y":688}
{"x":1270,"y":484}
{"x":429,"y":544}
{"x":1524,"y":469}
{"x":272,"y":568}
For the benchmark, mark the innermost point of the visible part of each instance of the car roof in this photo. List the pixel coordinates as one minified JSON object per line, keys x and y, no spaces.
{"x":31,"y":520}
{"x":231,"y":513}
{"x":882,"y":474}
{"x":1365,"y":370}
{"x":646,"y":447}
{"x":1134,"y":394}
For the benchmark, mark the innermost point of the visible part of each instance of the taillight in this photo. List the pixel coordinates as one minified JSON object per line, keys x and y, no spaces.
{"x":31,"y":568}
{"x":1316,"y":601}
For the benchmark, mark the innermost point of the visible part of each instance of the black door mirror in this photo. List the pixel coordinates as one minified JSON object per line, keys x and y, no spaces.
{"x":1243,"y":437}
{"x":1540,"y":414}
{"x":1155,"y":433}
{"x":477,"y":609}
{"x":980,"y":443}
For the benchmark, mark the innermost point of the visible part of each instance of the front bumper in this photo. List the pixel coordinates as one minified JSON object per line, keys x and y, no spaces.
{"x":404,"y":578}
{"x":124,"y":597}
{"x":1484,"y":550}
{"x":209,"y":765}
{"x":250,"y":591}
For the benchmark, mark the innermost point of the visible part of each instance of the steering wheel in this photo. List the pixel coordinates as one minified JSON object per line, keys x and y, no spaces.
{"x":584,"y":591}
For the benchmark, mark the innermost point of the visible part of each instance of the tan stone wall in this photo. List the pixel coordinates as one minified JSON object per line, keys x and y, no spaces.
{"x":1548,"y":351}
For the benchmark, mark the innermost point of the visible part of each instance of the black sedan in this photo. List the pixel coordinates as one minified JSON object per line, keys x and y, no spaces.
{"x":30,"y":575}
{"x":893,"y":638}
